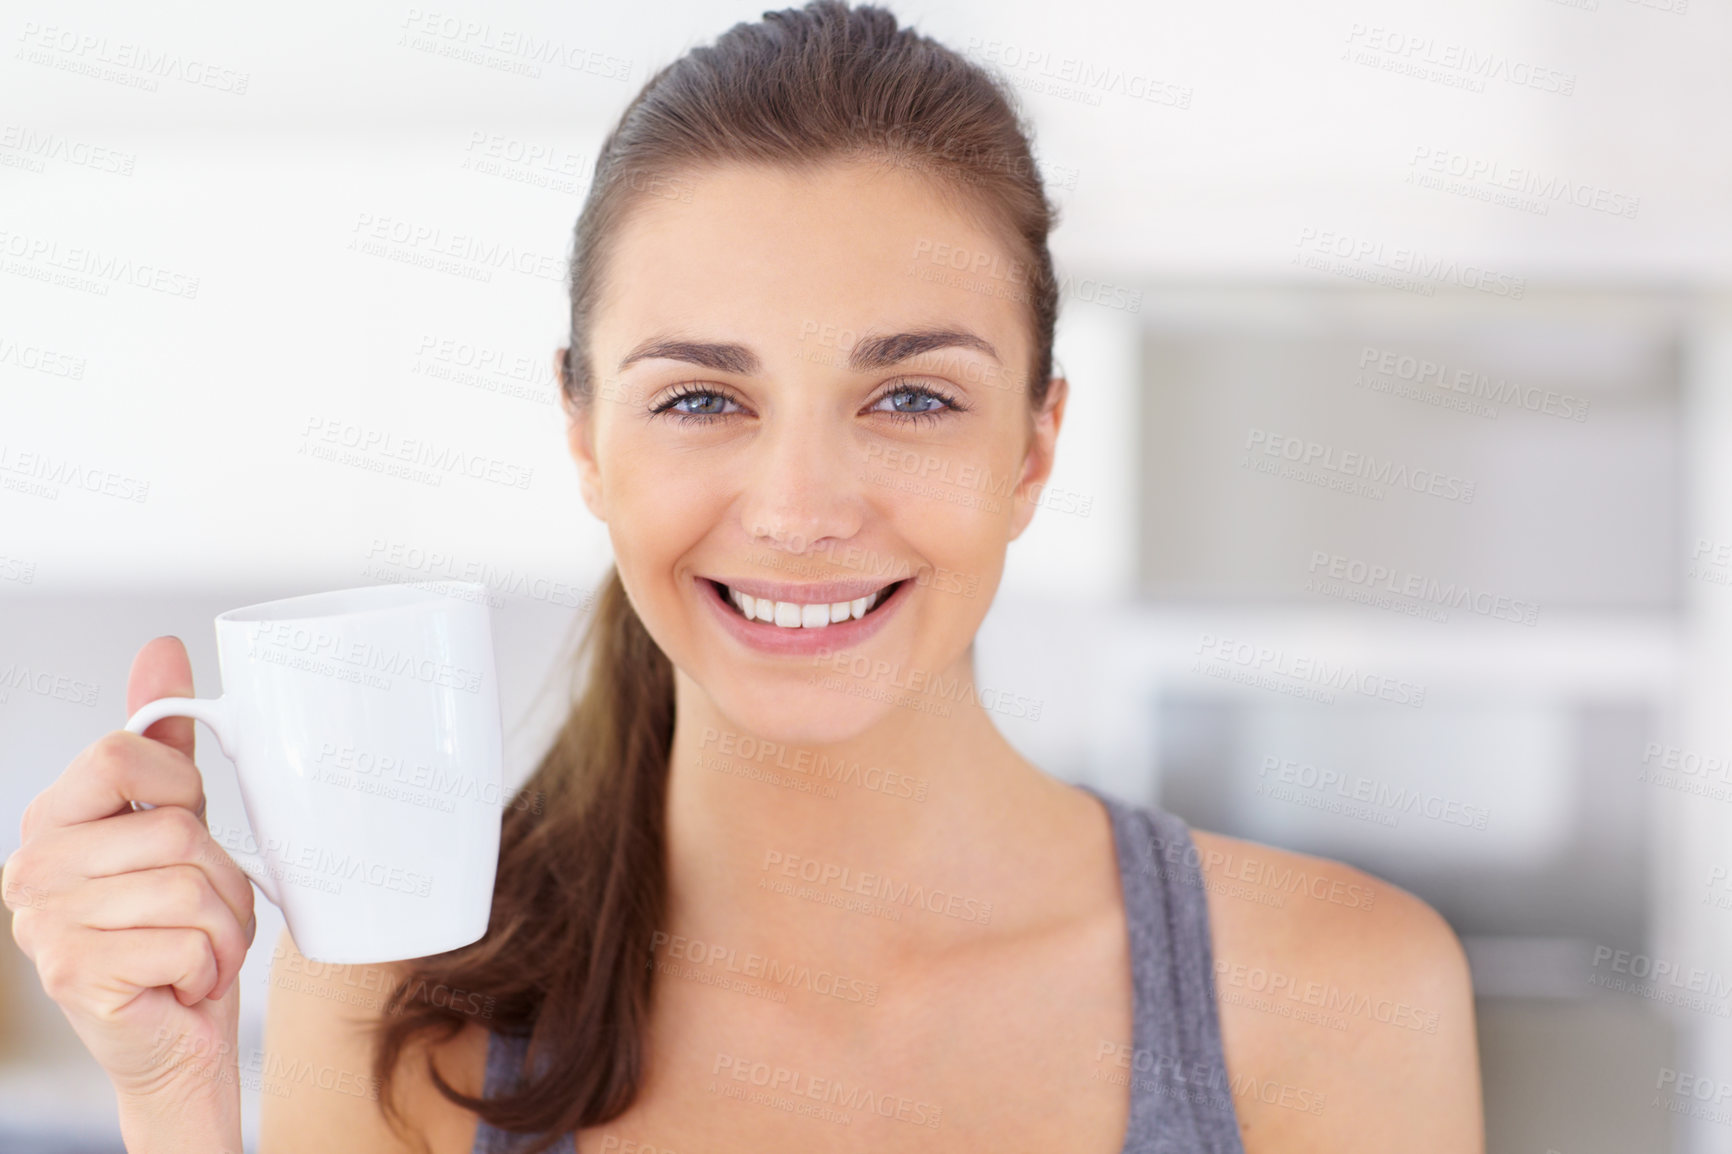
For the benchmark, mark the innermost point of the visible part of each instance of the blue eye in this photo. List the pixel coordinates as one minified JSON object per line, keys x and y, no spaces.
{"x":708,"y":404}
{"x":926,"y":405}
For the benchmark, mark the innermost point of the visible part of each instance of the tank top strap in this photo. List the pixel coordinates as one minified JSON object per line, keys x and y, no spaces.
{"x":1181,"y":1097}
{"x":505,"y":1055}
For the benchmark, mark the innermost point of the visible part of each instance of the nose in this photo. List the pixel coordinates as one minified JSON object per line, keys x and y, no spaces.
{"x":804,"y":486}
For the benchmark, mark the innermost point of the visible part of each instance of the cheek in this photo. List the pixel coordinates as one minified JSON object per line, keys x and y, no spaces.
{"x":655,"y":517}
{"x":954,"y":503}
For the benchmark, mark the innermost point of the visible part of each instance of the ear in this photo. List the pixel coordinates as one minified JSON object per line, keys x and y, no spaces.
{"x":580,"y":436}
{"x":1037,"y":461}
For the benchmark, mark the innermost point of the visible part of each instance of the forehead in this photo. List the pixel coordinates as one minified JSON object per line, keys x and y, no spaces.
{"x":739,"y":251}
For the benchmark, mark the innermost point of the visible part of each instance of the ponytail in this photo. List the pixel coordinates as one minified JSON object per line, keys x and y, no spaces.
{"x":579,"y":892}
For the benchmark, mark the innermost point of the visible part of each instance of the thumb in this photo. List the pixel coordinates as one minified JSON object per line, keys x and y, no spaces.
{"x":162,"y":669}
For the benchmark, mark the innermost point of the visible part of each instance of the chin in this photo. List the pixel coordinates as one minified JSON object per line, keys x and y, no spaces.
{"x":799,"y":715}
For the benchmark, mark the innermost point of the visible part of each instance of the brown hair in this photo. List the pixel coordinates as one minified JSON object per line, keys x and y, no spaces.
{"x":567,"y":959}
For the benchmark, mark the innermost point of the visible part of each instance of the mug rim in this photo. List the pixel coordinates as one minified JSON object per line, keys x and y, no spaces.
{"x":347,"y":602}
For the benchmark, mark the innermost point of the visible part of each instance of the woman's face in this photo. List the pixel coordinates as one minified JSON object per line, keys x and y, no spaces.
{"x":810,"y":389}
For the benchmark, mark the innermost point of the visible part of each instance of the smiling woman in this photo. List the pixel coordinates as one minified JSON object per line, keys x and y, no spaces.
{"x":790,"y":887}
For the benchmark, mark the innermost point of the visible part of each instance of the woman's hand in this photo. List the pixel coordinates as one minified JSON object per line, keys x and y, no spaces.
{"x":138,"y":922}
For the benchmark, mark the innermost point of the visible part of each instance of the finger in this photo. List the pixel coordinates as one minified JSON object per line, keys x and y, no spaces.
{"x":161,"y":668}
{"x":62,"y":859}
{"x":105,"y":970}
{"x":169,"y":897}
{"x":109,"y":774}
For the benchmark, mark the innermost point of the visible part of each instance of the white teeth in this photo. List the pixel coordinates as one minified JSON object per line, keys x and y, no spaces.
{"x":795,"y":615}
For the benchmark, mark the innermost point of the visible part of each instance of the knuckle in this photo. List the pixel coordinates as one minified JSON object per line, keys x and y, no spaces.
{"x":191,"y":839}
{"x":199,"y":957}
{"x":112,"y":756}
{"x":15,"y":878}
{"x":22,"y":933}
{"x":27,"y":823}
{"x":188,"y":889}
{"x":58,"y":972}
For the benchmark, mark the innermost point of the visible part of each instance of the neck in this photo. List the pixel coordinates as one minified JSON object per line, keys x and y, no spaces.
{"x":917,"y":826}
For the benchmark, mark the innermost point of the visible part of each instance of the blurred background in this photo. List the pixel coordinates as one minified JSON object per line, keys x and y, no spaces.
{"x":1392,"y":518}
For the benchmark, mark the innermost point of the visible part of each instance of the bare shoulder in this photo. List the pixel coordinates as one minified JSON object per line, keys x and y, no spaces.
{"x":315,"y":1076}
{"x":1346,"y":1007}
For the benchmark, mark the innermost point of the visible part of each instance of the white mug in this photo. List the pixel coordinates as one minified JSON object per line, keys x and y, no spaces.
{"x":364,"y":726}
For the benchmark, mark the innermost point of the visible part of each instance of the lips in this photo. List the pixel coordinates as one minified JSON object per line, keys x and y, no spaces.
{"x":803,"y":610}
{"x":840,"y":630}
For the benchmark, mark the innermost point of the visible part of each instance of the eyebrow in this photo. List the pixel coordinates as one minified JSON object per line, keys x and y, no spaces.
{"x":868,"y":353}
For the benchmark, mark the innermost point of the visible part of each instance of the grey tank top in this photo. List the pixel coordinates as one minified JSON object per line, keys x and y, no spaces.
{"x":1172,"y":1065}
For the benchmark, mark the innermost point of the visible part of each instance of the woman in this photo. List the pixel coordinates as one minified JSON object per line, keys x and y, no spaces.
{"x":784,"y":887}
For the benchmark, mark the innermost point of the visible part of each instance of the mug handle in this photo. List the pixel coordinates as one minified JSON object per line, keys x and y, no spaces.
{"x":214,"y":712}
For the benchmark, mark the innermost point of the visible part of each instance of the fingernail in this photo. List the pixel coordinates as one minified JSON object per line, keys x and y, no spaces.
{"x":201,"y":801}
{"x":252,"y":927}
